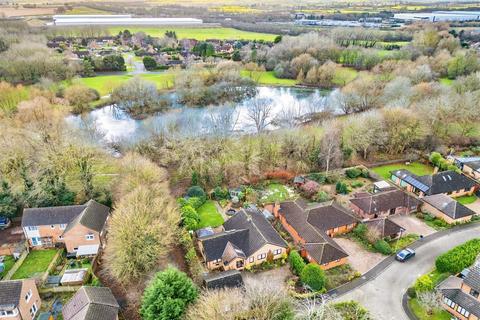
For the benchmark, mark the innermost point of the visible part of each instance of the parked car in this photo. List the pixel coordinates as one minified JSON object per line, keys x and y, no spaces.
{"x":405,"y":254}
{"x":4,"y":222}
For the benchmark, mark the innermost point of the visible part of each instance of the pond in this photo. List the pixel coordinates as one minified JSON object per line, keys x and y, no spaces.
{"x":287,"y":107}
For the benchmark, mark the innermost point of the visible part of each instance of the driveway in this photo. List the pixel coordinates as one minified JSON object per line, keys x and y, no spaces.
{"x":275,"y":278}
{"x":360,"y":259}
{"x":412,"y":224}
{"x":474,"y":206}
{"x":383,"y":294}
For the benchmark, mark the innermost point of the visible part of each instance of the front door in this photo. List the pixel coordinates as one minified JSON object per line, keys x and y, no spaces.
{"x":239,"y":264}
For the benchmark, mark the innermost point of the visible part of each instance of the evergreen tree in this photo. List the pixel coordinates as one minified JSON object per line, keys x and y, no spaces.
{"x":8,"y":202}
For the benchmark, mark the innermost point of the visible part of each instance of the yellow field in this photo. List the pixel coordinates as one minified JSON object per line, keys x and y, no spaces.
{"x":234,"y":9}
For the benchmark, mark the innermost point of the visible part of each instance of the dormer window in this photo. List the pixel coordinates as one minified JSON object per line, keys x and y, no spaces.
{"x":8,"y":313}
{"x":28,"y":296}
{"x":52,"y":226}
{"x":89,"y":236}
{"x":63,"y":226}
{"x":474,"y":293}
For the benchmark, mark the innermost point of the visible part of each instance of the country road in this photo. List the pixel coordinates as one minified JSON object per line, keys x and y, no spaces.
{"x":382,"y":296}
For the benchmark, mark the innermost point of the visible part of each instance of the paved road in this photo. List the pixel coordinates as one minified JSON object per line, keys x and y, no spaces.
{"x":383,"y":294}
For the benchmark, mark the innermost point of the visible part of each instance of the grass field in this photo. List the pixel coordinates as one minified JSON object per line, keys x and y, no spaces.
{"x":421,"y":314}
{"x":200,"y":33}
{"x":416,"y":168}
{"x":209,"y":216}
{"x":276,"y":192}
{"x":36,"y":262}
{"x":86,"y":10}
{"x":106,"y":84}
{"x":344,"y":75}
{"x":8,"y":264}
{"x":267,"y":78}
{"x":446,"y":81}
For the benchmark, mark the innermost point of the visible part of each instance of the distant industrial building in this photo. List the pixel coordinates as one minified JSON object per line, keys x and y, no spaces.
{"x":439,"y":16}
{"x":99,"y":20}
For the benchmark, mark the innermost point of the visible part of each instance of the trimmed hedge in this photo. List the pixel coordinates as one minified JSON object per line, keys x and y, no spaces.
{"x":458,"y":258}
{"x":313,"y":276}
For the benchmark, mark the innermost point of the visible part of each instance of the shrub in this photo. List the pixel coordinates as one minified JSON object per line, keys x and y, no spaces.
{"x":317,"y":177}
{"x":351,"y":310}
{"x":365,"y":173}
{"x":411,"y":292}
{"x":360,"y":230}
{"x":341,"y":187}
{"x":220,"y":193}
{"x":296,"y":262}
{"x":313,"y":276}
{"x":383,"y":247}
{"x":196,"y":192}
{"x":310,"y":188}
{"x":429,"y":217}
{"x":423,"y":284}
{"x":357,"y":184}
{"x":353,"y":173}
{"x":458,"y":258}
{"x":149,"y":63}
{"x":168,"y":295}
{"x":435,"y":158}
{"x":283,"y":175}
{"x":321,"y":196}
{"x":190,"y":217}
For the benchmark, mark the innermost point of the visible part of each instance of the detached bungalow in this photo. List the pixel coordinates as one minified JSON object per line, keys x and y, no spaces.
{"x":447,"y":209}
{"x":19,"y":300}
{"x":312,"y":227}
{"x":91,"y":303}
{"x":80,"y":227}
{"x":248,"y":240}
{"x":383,"y":203}
{"x":461,"y":297}
{"x":447,"y":182}
{"x":385,"y":227}
{"x":469,"y":165}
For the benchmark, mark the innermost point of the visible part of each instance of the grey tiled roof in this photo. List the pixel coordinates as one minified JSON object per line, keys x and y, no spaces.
{"x":385,"y":226}
{"x":317,"y":243}
{"x":463,"y":299}
{"x":214,"y":245}
{"x":449,"y":206}
{"x":217,"y":280}
{"x":473,"y":278}
{"x":10,"y":292}
{"x":92,"y":215}
{"x":91,"y":303}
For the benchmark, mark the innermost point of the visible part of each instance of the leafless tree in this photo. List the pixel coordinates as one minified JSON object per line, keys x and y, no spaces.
{"x":430,"y":300}
{"x":330,"y":152}
{"x":317,"y":309}
{"x":222,"y":120}
{"x":259,"y":111}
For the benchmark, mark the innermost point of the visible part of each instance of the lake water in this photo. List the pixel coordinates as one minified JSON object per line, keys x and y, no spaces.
{"x":287,"y":107}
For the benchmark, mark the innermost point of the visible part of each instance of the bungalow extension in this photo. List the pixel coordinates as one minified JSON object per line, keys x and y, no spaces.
{"x":313,"y":226}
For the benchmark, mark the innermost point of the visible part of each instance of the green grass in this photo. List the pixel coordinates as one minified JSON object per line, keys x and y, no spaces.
{"x":86,"y":10}
{"x":106,"y":84}
{"x":467,"y":199}
{"x":344,"y":75}
{"x":446,"y":81}
{"x":421,"y":314}
{"x":415,"y":167}
{"x":36,"y":262}
{"x":8,"y":263}
{"x":275,"y":192}
{"x":200,"y":33}
{"x":267,"y":78}
{"x":209,"y":216}
{"x":404,"y":241}
{"x":437,"y":276}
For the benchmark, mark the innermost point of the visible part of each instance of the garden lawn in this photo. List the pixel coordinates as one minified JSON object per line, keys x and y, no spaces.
{"x":8,"y":263}
{"x":209,"y":215}
{"x":36,"y":262}
{"x":446,"y":81}
{"x":200,"y":33}
{"x":268,"y":78}
{"x":421,"y":314}
{"x":276,"y":192}
{"x":467,"y":199}
{"x":404,"y":241}
{"x":106,"y":84}
{"x":415,"y":167}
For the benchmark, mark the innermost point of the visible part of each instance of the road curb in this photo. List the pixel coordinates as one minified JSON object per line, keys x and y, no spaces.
{"x":406,"y":308}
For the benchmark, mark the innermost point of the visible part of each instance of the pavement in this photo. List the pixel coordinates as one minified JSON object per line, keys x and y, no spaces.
{"x":358,"y":257}
{"x":381,"y":289}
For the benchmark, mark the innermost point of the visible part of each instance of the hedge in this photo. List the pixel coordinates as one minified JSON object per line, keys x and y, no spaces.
{"x":383,"y":247}
{"x":458,"y":258}
{"x":313,"y":276}
{"x":296,"y":262}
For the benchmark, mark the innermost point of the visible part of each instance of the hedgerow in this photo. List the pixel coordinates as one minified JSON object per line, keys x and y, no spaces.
{"x":458,"y":258}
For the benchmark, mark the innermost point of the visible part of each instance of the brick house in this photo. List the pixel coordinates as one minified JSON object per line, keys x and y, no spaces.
{"x":447,"y":209}
{"x":91,"y":303}
{"x":469,"y":165}
{"x":19,"y":300}
{"x":461,"y":296}
{"x":80,"y":228}
{"x":449,"y":182}
{"x":383,"y":204}
{"x":247,"y":240}
{"x":312,"y":228}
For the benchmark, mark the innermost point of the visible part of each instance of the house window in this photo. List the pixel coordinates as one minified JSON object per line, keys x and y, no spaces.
{"x":33,"y":310}
{"x":28,"y":295}
{"x":32,"y":228}
{"x":261,"y":256}
{"x":9,"y":313}
{"x":36,"y":241}
{"x":60,"y":237}
{"x":63,"y":226}
{"x":474,"y":293}
{"x":52,"y":226}
{"x":89,"y":236}
{"x":277,"y":252}
{"x":252,"y":258}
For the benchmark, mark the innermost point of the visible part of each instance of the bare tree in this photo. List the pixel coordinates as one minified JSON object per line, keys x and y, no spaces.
{"x":431,"y":301}
{"x":317,"y":309}
{"x":259,"y":111}
{"x":330,"y":152}
{"x":222,"y":120}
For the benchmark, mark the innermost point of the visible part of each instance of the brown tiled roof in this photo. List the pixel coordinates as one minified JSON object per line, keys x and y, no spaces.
{"x":385,"y":227}
{"x":384,"y":201}
{"x":330,"y":216}
{"x":318,"y":244}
